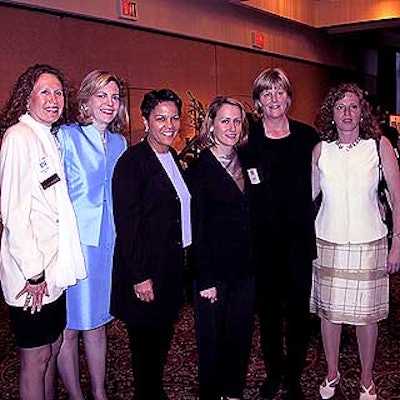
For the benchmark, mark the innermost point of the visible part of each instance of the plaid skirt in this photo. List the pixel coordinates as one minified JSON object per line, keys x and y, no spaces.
{"x":350,"y":284}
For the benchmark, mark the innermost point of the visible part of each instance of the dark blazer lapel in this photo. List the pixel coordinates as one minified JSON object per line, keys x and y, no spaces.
{"x":224,"y":175}
{"x":158,"y":168}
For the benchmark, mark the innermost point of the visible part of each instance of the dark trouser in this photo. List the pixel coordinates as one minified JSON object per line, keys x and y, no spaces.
{"x":224,"y":332}
{"x":149,"y":347}
{"x":282,"y":296}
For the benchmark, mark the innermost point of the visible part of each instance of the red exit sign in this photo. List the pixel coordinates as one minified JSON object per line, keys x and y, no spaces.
{"x":128,"y":9}
{"x":257,"y":40}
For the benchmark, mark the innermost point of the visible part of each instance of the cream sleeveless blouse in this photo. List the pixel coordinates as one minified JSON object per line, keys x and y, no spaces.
{"x":349,"y":211}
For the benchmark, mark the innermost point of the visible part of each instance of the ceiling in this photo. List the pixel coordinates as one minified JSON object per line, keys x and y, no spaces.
{"x":369,"y":23}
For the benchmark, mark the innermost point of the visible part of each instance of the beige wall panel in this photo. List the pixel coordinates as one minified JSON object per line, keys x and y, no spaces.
{"x":237,"y":71}
{"x":323,"y":13}
{"x":334,"y":12}
{"x":146,"y":60}
{"x":218,"y":21}
{"x":25,"y":40}
{"x":298,"y":10}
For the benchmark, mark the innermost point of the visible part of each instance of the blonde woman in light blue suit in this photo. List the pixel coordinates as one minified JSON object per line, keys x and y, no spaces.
{"x":90,"y":150}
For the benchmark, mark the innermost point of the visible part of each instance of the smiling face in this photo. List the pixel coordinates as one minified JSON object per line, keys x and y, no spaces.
{"x":227,"y":127}
{"x":274,"y":102}
{"x":46,"y":101}
{"x":347,"y":116}
{"x":163,"y":126}
{"x":104,"y":105}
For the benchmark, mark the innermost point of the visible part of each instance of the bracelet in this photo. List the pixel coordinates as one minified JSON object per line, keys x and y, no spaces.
{"x":36,"y":281}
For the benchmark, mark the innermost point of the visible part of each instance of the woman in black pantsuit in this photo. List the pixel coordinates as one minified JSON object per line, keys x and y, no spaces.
{"x":224,"y":285}
{"x":152,"y":220}
{"x":278,"y":161}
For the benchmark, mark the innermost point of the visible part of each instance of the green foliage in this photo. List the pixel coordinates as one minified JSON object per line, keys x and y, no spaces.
{"x":196,"y":112}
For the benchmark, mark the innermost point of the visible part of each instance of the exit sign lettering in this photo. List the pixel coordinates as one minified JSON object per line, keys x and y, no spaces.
{"x":128,"y":9}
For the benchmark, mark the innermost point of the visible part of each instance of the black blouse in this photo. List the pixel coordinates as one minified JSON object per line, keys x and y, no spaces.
{"x":282,"y":202}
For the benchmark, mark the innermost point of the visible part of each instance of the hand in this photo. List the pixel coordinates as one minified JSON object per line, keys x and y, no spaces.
{"x":393,"y":260}
{"x":210,"y":293}
{"x":34,"y":296}
{"x":144,"y":290}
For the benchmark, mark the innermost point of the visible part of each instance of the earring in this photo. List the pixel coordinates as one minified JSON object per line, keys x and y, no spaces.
{"x":85,"y":107}
{"x":212,"y":129}
{"x":361,"y":119}
{"x":333,"y":122}
{"x":146,"y":129}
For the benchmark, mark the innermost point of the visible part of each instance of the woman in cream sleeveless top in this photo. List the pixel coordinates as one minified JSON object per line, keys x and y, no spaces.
{"x":350,"y":275}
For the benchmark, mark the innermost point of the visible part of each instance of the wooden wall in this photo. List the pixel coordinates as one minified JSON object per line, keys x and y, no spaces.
{"x":149,"y":60}
{"x":217,"y":21}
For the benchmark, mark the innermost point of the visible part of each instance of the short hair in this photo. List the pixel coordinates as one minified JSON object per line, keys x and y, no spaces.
{"x":266,"y":80}
{"x":324,"y":123}
{"x":91,"y":84}
{"x":17,"y":103}
{"x":154,"y":97}
{"x":206,"y":135}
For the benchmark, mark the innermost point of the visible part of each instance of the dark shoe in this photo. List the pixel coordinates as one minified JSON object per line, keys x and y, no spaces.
{"x":89,"y":396}
{"x":269,"y":389}
{"x":230,"y":398}
{"x":294,"y":392}
{"x":164,"y":396}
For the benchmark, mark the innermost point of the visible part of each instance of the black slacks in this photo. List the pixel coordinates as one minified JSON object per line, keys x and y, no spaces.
{"x":283,"y":286}
{"x":149,"y":345}
{"x":224,"y":333}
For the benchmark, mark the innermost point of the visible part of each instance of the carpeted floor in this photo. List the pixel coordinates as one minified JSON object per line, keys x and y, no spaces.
{"x":181,"y":378}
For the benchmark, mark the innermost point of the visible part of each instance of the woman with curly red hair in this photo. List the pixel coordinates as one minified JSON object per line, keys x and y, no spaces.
{"x":350,"y":275}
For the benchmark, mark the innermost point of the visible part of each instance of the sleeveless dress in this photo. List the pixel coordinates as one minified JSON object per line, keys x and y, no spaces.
{"x":350,"y":283}
{"x":89,"y":166}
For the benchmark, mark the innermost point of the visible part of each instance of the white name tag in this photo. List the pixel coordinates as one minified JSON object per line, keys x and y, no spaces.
{"x":47,"y":172}
{"x":253,"y":176}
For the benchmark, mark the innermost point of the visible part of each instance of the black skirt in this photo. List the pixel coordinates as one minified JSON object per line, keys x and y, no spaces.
{"x":40,"y":328}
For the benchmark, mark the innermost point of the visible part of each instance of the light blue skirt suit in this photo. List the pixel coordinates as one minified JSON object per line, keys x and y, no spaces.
{"x":89,"y":165}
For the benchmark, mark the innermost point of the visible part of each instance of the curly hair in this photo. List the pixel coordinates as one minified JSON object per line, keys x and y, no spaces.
{"x":91,"y":84}
{"x":266,"y":80}
{"x":154,"y":97}
{"x":324,"y":123}
{"x":206,"y":135}
{"x":17,"y":103}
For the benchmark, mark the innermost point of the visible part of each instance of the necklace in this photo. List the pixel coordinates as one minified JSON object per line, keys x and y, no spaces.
{"x":231,"y":164}
{"x":347,"y":146}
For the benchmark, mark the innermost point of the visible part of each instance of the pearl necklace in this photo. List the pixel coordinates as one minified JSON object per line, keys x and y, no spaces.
{"x":347,"y":146}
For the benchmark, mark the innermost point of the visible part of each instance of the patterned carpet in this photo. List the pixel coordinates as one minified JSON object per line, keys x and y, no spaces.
{"x":180,"y":375}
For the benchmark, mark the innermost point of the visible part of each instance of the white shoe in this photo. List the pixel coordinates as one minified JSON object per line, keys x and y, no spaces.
{"x":327,"y":388}
{"x":365,"y":394}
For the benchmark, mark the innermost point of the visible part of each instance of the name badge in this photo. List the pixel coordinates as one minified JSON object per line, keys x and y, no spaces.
{"x":47,"y":172}
{"x":253,"y":176}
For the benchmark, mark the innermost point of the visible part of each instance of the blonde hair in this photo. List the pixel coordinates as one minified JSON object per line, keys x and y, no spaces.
{"x":267,"y":79}
{"x":91,"y":84}
{"x":206,"y":135}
